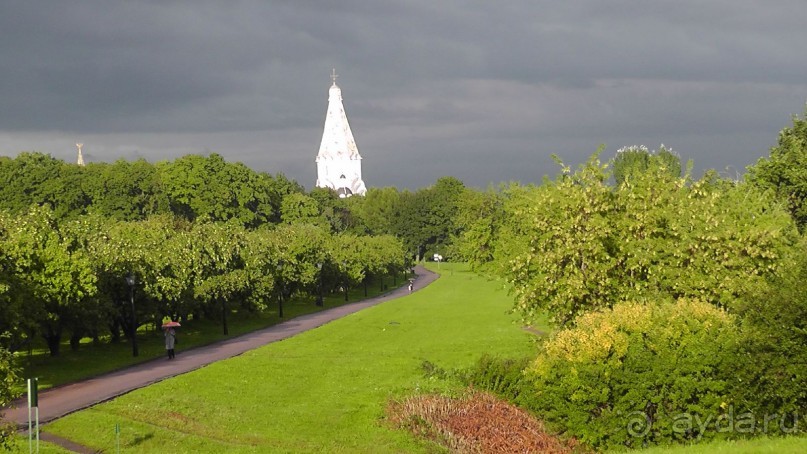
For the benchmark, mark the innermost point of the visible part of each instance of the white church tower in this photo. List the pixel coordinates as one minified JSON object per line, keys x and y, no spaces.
{"x":338,"y":161}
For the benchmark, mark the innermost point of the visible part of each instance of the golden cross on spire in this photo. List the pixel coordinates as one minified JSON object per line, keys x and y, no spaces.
{"x":334,"y":75}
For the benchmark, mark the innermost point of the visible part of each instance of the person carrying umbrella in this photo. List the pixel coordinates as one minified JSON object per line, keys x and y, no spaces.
{"x":170,"y":337}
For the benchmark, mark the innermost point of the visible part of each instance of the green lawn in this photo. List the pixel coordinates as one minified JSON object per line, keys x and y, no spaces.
{"x":322,"y":391}
{"x":21,"y":445}
{"x":757,"y":446}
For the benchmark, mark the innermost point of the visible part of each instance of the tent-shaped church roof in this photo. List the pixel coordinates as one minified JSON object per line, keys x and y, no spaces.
{"x":338,"y":160}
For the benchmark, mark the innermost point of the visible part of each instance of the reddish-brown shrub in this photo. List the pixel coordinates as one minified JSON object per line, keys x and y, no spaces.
{"x":476,"y":422}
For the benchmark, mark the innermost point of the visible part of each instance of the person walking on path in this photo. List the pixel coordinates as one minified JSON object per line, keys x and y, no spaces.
{"x":170,"y":340}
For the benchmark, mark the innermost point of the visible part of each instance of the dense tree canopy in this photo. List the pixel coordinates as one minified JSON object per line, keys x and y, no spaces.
{"x":426,"y":220}
{"x":576,"y":243}
{"x":192,"y":187}
{"x":785,"y":170}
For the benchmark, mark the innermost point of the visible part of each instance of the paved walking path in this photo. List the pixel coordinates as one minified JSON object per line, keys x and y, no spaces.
{"x":62,"y":400}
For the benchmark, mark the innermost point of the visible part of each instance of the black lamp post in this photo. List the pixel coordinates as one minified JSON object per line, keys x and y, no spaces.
{"x":319,"y":284}
{"x":280,"y":298}
{"x":130,"y":279}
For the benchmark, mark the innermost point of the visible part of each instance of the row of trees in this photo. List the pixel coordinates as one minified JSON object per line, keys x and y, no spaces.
{"x":68,"y":277}
{"x":190,"y":187}
{"x":197,"y":187}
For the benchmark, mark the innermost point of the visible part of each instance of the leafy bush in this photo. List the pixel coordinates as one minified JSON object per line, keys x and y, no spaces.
{"x":502,"y":376}
{"x":637,"y":374}
{"x":8,"y":376}
{"x":772,"y":367}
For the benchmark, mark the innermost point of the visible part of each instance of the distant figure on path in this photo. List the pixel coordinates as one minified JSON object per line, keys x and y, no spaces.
{"x":170,"y":340}
{"x":411,"y":284}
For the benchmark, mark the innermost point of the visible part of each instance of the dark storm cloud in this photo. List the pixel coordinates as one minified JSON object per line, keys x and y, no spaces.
{"x":482,"y":90}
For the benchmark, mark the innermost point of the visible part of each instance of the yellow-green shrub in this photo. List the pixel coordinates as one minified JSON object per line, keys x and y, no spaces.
{"x":634,"y":375}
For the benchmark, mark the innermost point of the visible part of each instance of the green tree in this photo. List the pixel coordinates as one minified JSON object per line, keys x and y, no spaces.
{"x":66,"y":193}
{"x":636,"y":160}
{"x":276,"y":188}
{"x":209,"y":187}
{"x":348,"y":254}
{"x":479,"y":217}
{"x":774,"y":323}
{"x":126,"y":191}
{"x":159,"y":253}
{"x":27,"y":180}
{"x":301,"y":209}
{"x":222,"y":276}
{"x":89,"y":314}
{"x":785,"y":170}
{"x":425,"y":220}
{"x":14,"y":328}
{"x":376,"y":211}
{"x":336,"y":211}
{"x":39,"y":179}
{"x":56,"y":269}
{"x":8,"y":379}
{"x":575,"y":244}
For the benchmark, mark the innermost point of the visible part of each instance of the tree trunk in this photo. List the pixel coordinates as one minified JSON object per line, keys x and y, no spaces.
{"x":53,"y":337}
{"x":114,"y":331}
{"x":75,"y":341}
{"x":224,"y":316}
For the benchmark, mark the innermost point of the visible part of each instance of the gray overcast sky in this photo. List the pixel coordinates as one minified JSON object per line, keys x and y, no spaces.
{"x":482,"y":90}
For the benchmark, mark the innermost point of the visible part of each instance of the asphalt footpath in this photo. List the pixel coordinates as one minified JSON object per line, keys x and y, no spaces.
{"x":62,"y":400}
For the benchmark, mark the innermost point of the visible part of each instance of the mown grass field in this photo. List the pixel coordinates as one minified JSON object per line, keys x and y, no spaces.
{"x":321,"y":391}
{"x":765,"y":445}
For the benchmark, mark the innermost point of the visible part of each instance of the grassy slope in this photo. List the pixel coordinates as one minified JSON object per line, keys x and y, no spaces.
{"x":324,"y":390}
